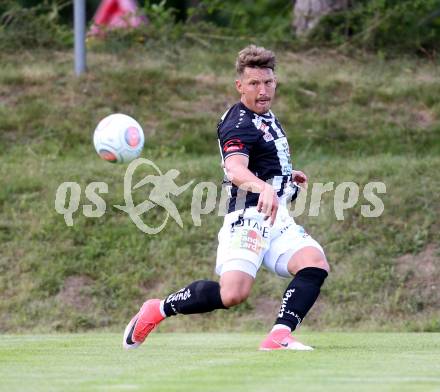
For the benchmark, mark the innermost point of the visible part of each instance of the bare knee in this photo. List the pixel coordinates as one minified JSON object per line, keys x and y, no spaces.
{"x":235,"y":287}
{"x":308,"y":257}
{"x":232,"y":297}
{"x":320,"y":261}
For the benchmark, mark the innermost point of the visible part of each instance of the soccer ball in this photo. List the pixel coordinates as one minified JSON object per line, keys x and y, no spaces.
{"x":118,"y":138}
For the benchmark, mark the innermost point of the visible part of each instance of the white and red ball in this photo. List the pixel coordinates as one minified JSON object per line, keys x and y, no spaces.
{"x":118,"y":138}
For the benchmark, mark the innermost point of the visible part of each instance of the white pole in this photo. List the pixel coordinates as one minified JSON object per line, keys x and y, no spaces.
{"x":80,"y":35}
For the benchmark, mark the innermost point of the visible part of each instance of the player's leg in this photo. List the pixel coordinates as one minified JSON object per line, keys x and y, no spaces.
{"x":201,"y":296}
{"x":243,"y":241}
{"x":305,"y":260}
{"x":204,"y":296}
{"x":307,"y":257}
{"x":310,"y":268}
{"x":239,"y":256}
{"x":235,"y":287}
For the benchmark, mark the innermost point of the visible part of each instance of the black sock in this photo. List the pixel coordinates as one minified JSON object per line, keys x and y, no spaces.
{"x":201,"y":296}
{"x":300,"y":296}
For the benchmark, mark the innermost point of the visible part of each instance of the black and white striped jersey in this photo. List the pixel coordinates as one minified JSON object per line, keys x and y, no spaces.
{"x":262,"y":139}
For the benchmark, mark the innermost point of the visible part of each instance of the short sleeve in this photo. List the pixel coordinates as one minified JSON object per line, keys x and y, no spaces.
{"x":237,"y":136}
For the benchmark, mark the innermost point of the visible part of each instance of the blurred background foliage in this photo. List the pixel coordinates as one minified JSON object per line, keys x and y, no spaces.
{"x":387,"y":26}
{"x":367,"y":111}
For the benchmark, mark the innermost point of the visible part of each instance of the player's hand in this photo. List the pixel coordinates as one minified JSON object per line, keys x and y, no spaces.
{"x":300,"y":178}
{"x":268,"y":203}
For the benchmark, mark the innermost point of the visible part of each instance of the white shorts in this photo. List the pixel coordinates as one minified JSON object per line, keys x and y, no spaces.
{"x":245,"y":244}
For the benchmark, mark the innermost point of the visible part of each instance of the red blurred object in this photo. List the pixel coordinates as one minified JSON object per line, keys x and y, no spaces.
{"x":116,"y":14}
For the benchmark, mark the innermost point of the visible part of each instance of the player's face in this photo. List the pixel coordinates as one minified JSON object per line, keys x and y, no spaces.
{"x":257,"y":89}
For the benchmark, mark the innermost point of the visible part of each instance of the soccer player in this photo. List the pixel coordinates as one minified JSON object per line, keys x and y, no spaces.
{"x":257,"y":228}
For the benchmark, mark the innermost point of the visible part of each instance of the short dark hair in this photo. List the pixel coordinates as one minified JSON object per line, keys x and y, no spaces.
{"x":255,"y":57}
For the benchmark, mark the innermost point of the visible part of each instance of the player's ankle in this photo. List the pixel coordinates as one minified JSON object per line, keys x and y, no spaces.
{"x":277,"y":327}
{"x":162,"y":311}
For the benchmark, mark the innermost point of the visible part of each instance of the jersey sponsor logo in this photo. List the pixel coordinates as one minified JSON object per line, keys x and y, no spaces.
{"x":249,"y":239}
{"x":268,"y":137}
{"x":233,"y":145}
{"x":264,"y":230}
{"x":274,"y":124}
{"x":263,"y":127}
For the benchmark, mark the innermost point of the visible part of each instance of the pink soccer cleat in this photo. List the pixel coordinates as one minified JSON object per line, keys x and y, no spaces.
{"x":281,"y":339}
{"x":137,"y":330}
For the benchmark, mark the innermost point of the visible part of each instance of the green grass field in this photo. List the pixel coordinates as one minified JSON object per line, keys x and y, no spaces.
{"x":220,"y":362}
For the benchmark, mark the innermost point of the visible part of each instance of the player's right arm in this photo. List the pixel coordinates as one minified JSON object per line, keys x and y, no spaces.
{"x":236,"y":167}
